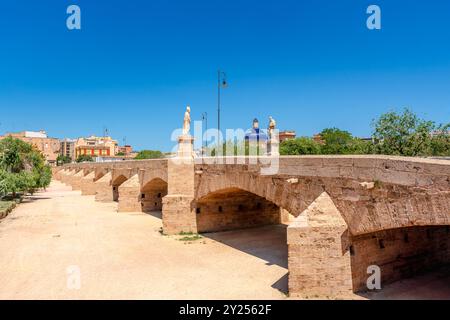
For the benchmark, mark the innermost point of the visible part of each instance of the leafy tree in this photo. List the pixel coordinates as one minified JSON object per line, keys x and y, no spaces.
{"x":440,"y":142}
{"x":299,"y":146}
{"x":16,"y":155}
{"x":84,"y":158}
{"x":407,"y":135}
{"x":149,"y":154}
{"x":338,"y":141}
{"x":60,"y":160}
{"x":14,"y":183}
{"x":22,"y":167}
{"x":44,"y":177}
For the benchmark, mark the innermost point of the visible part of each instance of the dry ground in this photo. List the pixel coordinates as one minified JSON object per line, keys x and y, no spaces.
{"x":124,"y":256}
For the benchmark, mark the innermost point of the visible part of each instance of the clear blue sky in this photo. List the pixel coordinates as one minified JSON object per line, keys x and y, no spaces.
{"x":135,"y":64}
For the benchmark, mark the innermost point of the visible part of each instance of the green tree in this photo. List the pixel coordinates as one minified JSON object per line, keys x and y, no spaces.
{"x":60,"y":160}
{"x":22,"y":167}
{"x":16,"y":154}
{"x":440,"y":142}
{"x":299,"y":146}
{"x":338,"y":141}
{"x":405,"y":134}
{"x":149,"y":154}
{"x":84,"y":158}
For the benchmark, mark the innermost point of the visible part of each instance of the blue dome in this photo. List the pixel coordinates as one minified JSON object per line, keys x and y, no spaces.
{"x":256,"y":135}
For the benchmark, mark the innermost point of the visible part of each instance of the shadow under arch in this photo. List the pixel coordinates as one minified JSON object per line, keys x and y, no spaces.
{"x":246,"y":222}
{"x":151,"y":196}
{"x":115,"y":186}
{"x":403,"y":256}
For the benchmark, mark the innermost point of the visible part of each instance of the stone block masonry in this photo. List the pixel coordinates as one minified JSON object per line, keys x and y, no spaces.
{"x":345,"y":212}
{"x":129,"y":195}
{"x":87,"y":185}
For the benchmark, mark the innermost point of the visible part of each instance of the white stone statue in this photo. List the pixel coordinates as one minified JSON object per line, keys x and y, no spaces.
{"x":272,"y":125}
{"x":187,"y":121}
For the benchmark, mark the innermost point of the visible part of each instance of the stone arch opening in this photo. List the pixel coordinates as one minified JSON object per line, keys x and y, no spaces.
{"x":249,"y":223}
{"x":98,"y":176}
{"x":115,"y":186}
{"x":401,"y":253}
{"x":235,"y":208}
{"x":152,"y":194}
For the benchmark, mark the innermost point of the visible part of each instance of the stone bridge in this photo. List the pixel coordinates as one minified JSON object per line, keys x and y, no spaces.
{"x":343,"y":213}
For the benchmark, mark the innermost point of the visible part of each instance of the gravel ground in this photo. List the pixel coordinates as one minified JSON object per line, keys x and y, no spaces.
{"x":61,"y":245}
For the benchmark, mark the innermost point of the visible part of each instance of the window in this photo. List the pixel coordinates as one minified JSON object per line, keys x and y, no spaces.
{"x":352,"y":250}
{"x":220,"y":209}
{"x":197,"y":210}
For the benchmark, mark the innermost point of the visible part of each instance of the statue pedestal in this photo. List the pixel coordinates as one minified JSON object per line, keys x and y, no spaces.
{"x":273,"y":147}
{"x":185,"y":146}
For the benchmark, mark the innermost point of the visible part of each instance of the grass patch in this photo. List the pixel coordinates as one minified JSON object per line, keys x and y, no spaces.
{"x":6,"y":207}
{"x":192,"y":237}
{"x":182,"y":233}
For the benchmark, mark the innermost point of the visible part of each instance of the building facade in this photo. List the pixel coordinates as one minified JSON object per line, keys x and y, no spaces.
{"x":50,"y":147}
{"x":95,"y":146}
{"x":286,"y":135}
{"x":125,"y":150}
{"x":68,"y":148}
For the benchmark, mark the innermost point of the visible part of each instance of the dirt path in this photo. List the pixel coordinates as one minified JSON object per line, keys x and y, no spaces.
{"x":61,"y":245}
{"x":48,"y":239}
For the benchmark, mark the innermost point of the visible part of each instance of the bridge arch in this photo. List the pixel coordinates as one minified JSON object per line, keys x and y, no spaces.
{"x":234,"y":208}
{"x":152,"y":193}
{"x":116,"y":183}
{"x":291,"y":194}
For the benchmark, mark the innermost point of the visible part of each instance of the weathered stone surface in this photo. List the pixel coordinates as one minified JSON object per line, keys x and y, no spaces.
{"x":103,"y":188}
{"x":340,"y":203}
{"x":129,"y":195}
{"x":87,"y":184}
{"x":319,"y":261}
{"x":76,"y":180}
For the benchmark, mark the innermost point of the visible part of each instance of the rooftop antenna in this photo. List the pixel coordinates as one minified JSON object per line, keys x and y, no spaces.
{"x":105,"y":131}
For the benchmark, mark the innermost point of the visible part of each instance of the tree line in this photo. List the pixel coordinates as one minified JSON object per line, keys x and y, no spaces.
{"x":22,"y":168}
{"x":401,"y":134}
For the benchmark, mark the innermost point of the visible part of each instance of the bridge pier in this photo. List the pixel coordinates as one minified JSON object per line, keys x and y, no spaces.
{"x":178,"y":212}
{"x":67,"y":176}
{"x":104,"y":189}
{"x":129,"y":195}
{"x":76,"y":180}
{"x":319,"y":260}
{"x":87,"y":184}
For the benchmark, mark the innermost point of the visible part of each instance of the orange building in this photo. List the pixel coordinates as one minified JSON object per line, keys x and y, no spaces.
{"x":286,"y":135}
{"x":125,"y":150}
{"x":95,"y":146}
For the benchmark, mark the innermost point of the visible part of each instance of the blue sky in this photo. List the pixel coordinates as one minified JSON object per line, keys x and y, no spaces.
{"x":135,"y":64}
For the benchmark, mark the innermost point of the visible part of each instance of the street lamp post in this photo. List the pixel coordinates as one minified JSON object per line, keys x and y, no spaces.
{"x":205,"y":119}
{"x":221,"y":83}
